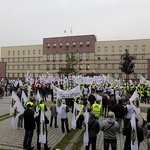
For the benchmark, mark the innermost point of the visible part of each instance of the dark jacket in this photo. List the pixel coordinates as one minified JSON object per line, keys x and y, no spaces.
{"x":148,"y":114}
{"x":37,"y":119}
{"x":29,"y":121}
{"x":93,"y":127}
{"x":119,"y":110}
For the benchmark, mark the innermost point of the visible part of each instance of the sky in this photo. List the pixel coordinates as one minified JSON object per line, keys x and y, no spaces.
{"x":27,"y":22}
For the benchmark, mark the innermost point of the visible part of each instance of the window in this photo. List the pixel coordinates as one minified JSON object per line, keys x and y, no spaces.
{"x":67,"y":44}
{"x":135,"y":56}
{"x":28,"y":52}
{"x":8,"y":75}
{"x":135,"y":47}
{"x":54,"y":44}
{"x":135,"y":66}
{"x":13,"y":59}
{"x":105,"y":57}
{"x":22,"y":74}
{"x":13,"y":67}
{"x":54,"y":57}
{"x":18,"y":52}
{"x":48,"y":45}
{"x":120,"y":48}
{"x":33,"y":58}
{"x":143,"y":56}
{"x":8,"y":52}
{"x":143,"y":66}
{"x":48,"y":57}
{"x":54,"y":66}
{"x":33,"y":66}
{"x":60,"y":57}
{"x":28,"y":66}
{"x":22,"y":66}
{"x":60,"y":66}
{"x":23,"y":52}
{"x":8,"y":60}
{"x":18,"y":67}
{"x":23,"y":59}
{"x":39,"y":67}
{"x":13,"y":52}
{"x":74,"y":43}
{"x":98,"y":58}
{"x":113,"y":75}
{"x":105,"y":66}
{"x":105,"y":49}
{"x":60,"y":44}
{"x":38,"y":58}
{"x":87,"y":43}
{"x":8,"y":66}
{"x":87,"y":66}
{"x":48,"y":66}
{"x":143,"y":47}
{"x":39,"y":51}
{"x":18,"y":59}
{"x":135,"y":76}
{"x":80,"y":56}
{"x":113,"y":48}
{"x":98,"y":49}
{"x":143,"y":74}
{"x":28,"y":59}
{"x":87,"y":56}
{"x":80,"y":66}
{"x":80,"y":43}
{"x":113,"y":57}
{"x":127,"y":47}
{"x":113,"y":66}
{"x":33,"y":51}
{"x":98,"y":66}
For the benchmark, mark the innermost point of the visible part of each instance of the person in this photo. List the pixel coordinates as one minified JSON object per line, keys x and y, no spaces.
{"x":93,"y":129}
{"x":91,"y":99}
{"x":64,"y":117}
{"x":96,"y":109}
{"x":53,"y":114}
{"x":128,"y":112}
{"x":110,"y":129}
{"x":127,"y":132}
{"x":37,"y":119}
{"x":29,"y":126}
{"x":81,"y":117}
{"x":119,"y":112}
{"x":110,"y":102}
{"x":104,"y":104}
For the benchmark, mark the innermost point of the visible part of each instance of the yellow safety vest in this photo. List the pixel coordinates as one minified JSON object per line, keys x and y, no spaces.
{"x":96,"y":109}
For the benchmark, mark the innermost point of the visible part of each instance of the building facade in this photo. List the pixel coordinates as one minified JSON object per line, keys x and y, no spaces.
{"x":102,"y":57}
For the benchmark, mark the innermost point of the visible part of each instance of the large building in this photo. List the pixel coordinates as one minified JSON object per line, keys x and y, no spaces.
{"x":103,"y":57}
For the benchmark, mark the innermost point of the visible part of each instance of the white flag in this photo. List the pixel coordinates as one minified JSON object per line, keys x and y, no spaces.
{"x":39,"y":98}
{"x":58,"y":104}
{"x":24,"y":98}
{"x":135,"y":102}
{"x":86,"y":132}
{"x":134,"y":139}
{"x":76,"y":113}
{"x":42,"y":135}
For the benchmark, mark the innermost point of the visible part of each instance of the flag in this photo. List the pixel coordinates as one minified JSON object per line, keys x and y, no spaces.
{"x":16,"y":109}
{"x":86,"y":132}
{"x":24,"y":98}
{"x":38,"y":97}
{"x":134,"y":139}
{"x":58,"y":104}
{"x":76,"y":112}
{"x":42,"y":135}
{"x":135,"y":102}
{"x":28,"y":89}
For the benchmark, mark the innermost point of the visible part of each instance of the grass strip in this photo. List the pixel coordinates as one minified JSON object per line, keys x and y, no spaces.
{"x":66,"y":139}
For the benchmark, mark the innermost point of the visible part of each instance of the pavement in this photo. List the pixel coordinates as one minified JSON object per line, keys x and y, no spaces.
{"x":12,"y":139}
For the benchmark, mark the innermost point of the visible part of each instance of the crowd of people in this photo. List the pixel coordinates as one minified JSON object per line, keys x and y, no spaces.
{"x":114,"y":106}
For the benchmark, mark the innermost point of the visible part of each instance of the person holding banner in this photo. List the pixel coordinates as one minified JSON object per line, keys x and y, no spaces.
{"x":37,"y":119}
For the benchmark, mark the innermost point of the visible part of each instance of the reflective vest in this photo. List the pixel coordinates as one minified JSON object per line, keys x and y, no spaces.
{"x":96,"y":109}
{"x":82,"y":111}
{"x":42,"y":107}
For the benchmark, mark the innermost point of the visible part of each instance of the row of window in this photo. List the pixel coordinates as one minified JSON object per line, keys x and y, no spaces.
{"x":53,"y":66}
{"x":113,"y":57}
{"x":39,"y":74}
{"x":67,"y":44}
{"x":28,"y":59}
{"x":23,"y":52}
{"x":120,"y":48}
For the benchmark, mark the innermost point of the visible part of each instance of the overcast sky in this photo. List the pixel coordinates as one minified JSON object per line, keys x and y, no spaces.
{"x":27,"y":22}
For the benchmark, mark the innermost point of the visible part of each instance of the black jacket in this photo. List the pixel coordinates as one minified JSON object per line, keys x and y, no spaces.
{"x":119,"y":110}
{"x":37,"y":119}
{"x":29,"y":121}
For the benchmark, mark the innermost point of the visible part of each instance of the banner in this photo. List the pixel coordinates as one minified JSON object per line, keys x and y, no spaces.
{"x":75,"y":92}
{"x":42,"y":135}
{"x":76,"y":113}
